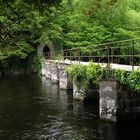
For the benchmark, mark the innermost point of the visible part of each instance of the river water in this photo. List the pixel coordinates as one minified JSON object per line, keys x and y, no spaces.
{"x":31,"y":108}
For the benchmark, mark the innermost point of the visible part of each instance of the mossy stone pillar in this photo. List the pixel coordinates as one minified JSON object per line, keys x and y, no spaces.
{"x":48,"y":70}
{"x":108,"y":99}
{"x":54,"y":72}
{"x":78,"y":91}
{"x":64,"y":79}
{"x":43,"y":70}
{"x":118,"y":102}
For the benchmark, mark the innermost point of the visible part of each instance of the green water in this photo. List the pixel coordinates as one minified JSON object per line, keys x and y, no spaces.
{"x":31,"y":108}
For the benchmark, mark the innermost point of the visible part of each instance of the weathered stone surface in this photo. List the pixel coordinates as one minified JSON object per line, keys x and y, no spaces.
{"x":78,"y":92}
{"x":118,"y":102}
{"x":108,"y":100}
{"x":54,"y":73}
{"x":48,"y":70}
{"x":43,"y":70}
{"x":64,"y":79}
{"x":85,"y":92}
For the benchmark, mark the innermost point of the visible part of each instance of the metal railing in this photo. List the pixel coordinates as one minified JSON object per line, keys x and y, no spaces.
{"x":120,"y":52}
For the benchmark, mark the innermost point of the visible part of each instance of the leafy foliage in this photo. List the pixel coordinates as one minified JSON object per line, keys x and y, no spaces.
{"x":26,"y":24}
{"x":129,"y":79}
{"x":85,"y":74}
{"x":21,"y":24}
{"x":94,"y":73}
{"x":77,"y":73}
{"x":37,"y":64}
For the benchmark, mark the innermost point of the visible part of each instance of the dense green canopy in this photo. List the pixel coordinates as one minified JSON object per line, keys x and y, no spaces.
{"x":26,"y":24}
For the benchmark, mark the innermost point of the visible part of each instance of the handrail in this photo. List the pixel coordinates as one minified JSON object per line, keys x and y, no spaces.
{"x":109,"y":54}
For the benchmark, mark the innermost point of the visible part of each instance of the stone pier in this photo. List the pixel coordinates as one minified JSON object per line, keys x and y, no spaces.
{"x":108,"y":100}
{"x":54,"y":72}
{"x":78,"y":91}
{"x":85,"y":92}
{"x":43,"y":70}
{"x":64,"y":79}
{"x":118,"y":102}
{"x":48,"y":70}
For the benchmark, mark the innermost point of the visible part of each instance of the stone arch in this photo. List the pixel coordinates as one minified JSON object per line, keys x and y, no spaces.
{"x":49,"y":47}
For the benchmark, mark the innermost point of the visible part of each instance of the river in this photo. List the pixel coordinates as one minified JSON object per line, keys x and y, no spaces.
{"x":31,"y":108}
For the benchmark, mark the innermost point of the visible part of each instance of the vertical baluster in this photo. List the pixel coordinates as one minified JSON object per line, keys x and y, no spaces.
{"x":108,"y":52}
{"x":79,"y":55}
{"x":70,"y":57}
{"x":133,"y":54}
{"x":112,"y":53}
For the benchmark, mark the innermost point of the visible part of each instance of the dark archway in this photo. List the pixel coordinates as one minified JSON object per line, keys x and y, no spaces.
{"x":46,"y":52}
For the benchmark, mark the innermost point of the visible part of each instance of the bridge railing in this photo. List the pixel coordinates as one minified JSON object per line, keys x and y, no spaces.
{"x":120,"y":52}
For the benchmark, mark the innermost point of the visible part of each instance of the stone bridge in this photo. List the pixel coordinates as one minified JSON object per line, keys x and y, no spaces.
{"x":116,"y":102}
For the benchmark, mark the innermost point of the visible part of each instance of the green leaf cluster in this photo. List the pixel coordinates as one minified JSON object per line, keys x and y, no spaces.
{"x":21,"y":25}
{"x":24,"y":25}
{"x":89,"y":74}
{"x":131,"y":79}
{"x":77,"y":72}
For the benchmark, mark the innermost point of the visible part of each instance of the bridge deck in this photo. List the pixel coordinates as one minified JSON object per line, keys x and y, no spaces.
{"x":112,"y":65}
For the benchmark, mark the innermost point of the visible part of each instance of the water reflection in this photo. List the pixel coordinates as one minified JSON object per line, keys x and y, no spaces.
{"x":32,"y":108}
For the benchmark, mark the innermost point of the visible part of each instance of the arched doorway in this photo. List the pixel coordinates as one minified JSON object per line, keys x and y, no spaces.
{"x":46,"y":52}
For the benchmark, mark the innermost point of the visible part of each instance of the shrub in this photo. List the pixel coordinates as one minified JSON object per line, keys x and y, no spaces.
{"x":85,"y":74}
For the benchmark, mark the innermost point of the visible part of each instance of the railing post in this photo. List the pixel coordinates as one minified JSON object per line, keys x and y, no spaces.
{"x":130,"y":55}
{"x":62,"y":53}
{"x":70,"y":57}
{"x":133,"y":54}
{"x":112,"y":52}
{"x":108,"y":61}
{"x":66,"y":54}
{"x":79,"y":55}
